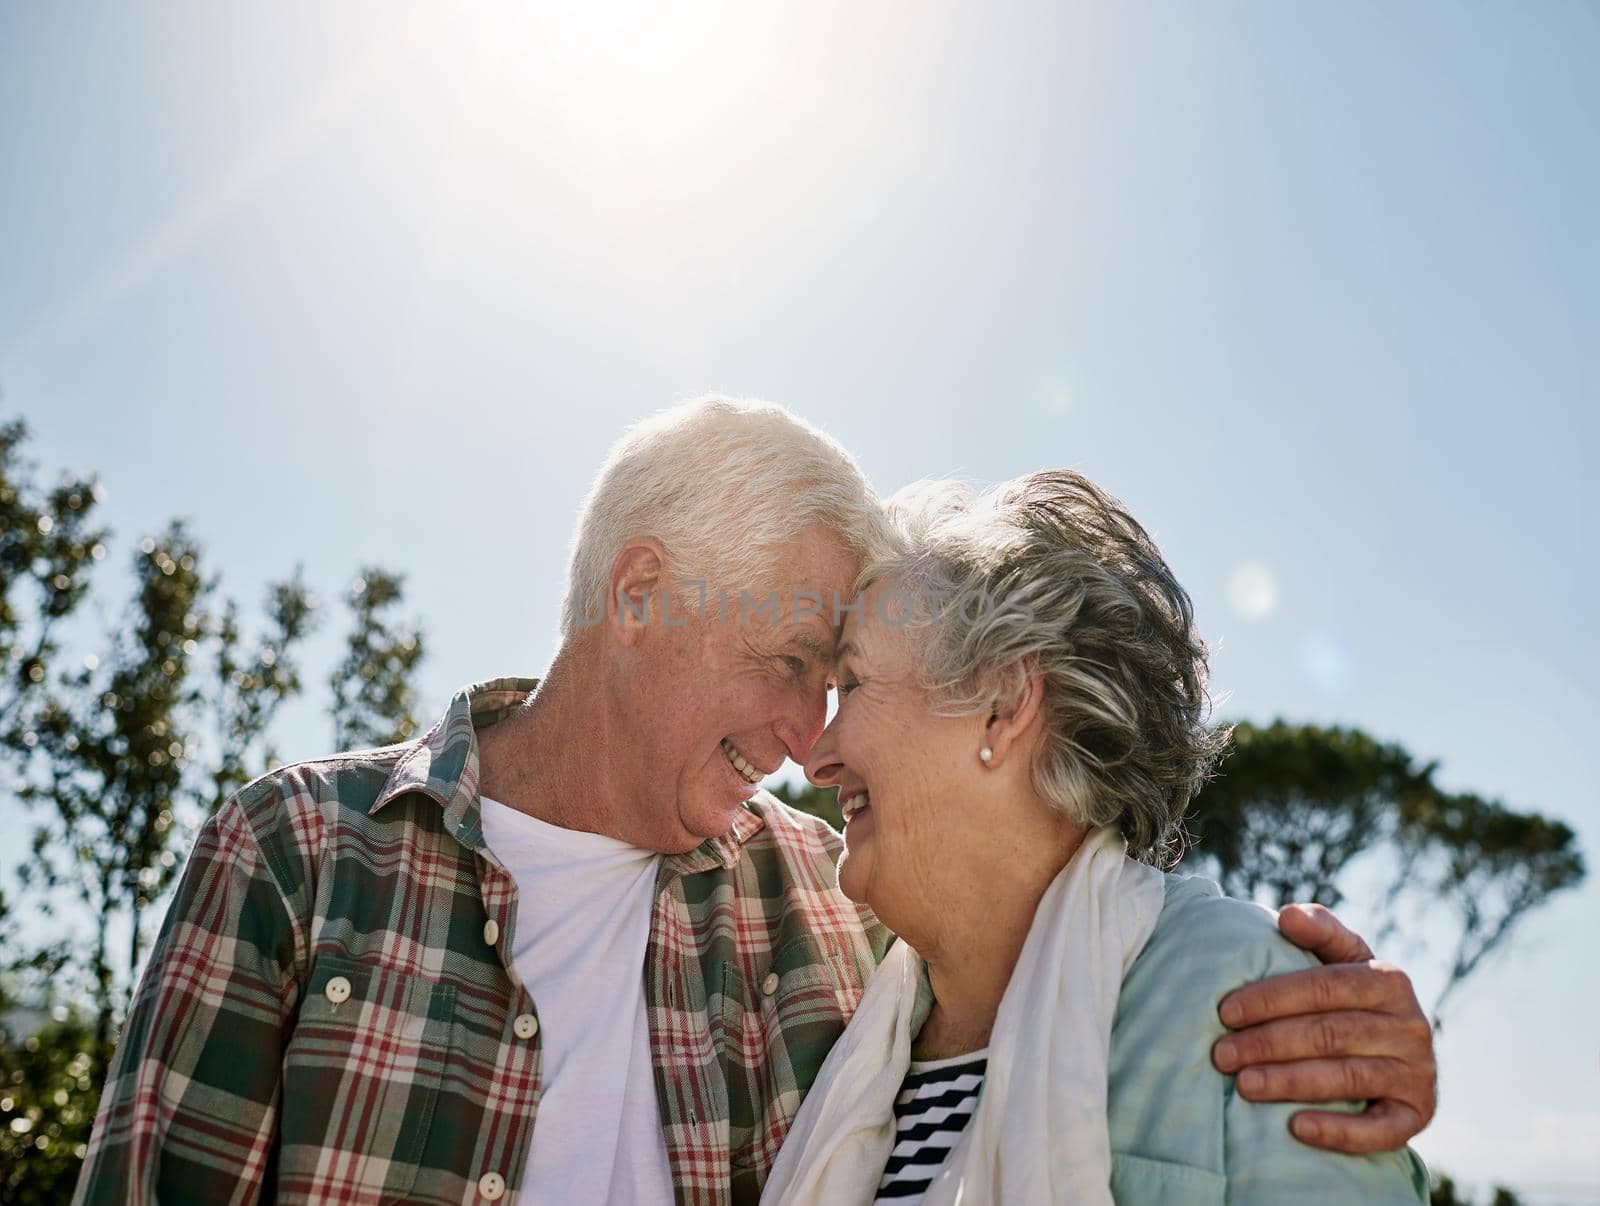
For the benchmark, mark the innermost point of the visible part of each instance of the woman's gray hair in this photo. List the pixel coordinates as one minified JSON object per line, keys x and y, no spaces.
{"x":1050,"y":571}
{"x":721,"y":483}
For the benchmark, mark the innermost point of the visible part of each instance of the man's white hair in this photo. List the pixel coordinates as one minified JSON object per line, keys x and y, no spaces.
{"x":721,"y":483}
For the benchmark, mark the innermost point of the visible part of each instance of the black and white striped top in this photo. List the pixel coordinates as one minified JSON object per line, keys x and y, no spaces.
{"x":935,"y":1103}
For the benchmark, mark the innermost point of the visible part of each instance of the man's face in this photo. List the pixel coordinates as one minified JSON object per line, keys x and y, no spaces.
{"x":743,"y":681}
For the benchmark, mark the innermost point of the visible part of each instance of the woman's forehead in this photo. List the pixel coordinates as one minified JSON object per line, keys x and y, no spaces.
{"x":858,"y":630}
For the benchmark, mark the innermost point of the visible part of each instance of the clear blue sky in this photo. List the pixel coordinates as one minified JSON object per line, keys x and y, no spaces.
{"x":1313,"y":288}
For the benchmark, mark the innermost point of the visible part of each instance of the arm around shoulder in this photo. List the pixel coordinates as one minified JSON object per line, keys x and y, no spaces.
{"x":1171,"y":1111}
{"x":1265,"y":1163}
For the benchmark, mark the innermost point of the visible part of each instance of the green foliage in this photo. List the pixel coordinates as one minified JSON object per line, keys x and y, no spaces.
{"x":1493,"y":866}
{"x":113,"y":741}
{"x":820,"y":802}
{"x":252,"y":686}
{"x":48,"y":546}
{"x":1294,"y":808}
{"x":1293,"y":805}
{"x":373,"y":698}
{"x":1444,"y":1193}
{"x":48,"y":1097}
{"x":116,"y":750}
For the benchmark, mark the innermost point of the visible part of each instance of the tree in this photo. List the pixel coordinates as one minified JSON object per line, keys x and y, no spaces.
{"x":251,"y":688}
{"x":1491,"y":867}
{"x":1294,"y":805}
{"x":1294,"y":808}
{"x":373,"y":696}
{"x":48,"y":546}
{"x":120,"y":749}
{"x":1444,"y":1194}
{"x":48,"y":1097}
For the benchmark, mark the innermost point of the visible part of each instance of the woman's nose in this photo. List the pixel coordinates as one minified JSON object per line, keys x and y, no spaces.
{"x":822,"y":764}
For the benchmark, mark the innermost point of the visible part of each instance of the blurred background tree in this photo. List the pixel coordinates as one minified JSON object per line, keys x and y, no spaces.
{"x":252,"y":684}
{"x":119,"y":756}
{"x":1444,"y":1193}
{"x":48,"y":1096}
{"x":1292,"y":806}
{"x":821,"y":802}
{"x":1299,"y":812}
{"x":127,"y":754}
{"x":48,"y":546}
{"x":373,"y":696}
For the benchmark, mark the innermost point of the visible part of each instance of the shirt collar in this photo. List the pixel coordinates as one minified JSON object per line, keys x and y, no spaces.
{"x":443,"y":765}
{"x":715,"y":852}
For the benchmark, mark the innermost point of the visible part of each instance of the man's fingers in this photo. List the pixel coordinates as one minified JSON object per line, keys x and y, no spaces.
{"x":1354,"y":1079}
{"x":1314,"y":928}
{"x":1384,"y":1126}
{"x":1347,"y":1032}
{"x":1380,"y":986}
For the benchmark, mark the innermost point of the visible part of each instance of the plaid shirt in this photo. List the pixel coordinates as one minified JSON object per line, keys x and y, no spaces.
{"x":324,"y":1015}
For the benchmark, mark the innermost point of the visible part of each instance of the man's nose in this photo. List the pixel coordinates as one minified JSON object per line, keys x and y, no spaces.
{"x":804,"y":726}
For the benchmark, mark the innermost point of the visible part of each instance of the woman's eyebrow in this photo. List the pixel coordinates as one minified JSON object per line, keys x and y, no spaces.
{"x":842,"y":652}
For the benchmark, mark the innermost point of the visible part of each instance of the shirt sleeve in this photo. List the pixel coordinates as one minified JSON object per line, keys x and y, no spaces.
{"x":190,"y":1106}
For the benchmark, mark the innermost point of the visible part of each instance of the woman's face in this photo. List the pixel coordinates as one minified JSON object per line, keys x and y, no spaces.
{"x":920,"y":815}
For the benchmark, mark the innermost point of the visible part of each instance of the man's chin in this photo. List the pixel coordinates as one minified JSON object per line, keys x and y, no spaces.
{"x":705,"y":819}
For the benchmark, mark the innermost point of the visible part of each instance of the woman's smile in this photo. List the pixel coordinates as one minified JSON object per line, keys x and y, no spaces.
{"x":853,"y":802}
{"x":856,"y":808}
{"x":859,"y":822}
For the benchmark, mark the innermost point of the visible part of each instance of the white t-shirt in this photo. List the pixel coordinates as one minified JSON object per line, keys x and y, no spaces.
{"x":583,"y":919}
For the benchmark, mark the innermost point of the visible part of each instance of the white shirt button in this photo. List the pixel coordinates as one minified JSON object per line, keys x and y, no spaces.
{"x":492,"y":1185}
{"x":491,"y":932}
{"x":526,"y":1025}
{"x":337,"y":990}
{"x":770,"y":984}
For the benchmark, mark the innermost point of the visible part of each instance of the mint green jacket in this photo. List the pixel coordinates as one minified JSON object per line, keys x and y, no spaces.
{"x":1179,"y":1132}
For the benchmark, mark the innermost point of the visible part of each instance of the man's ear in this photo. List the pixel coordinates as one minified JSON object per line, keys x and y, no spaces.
{"x":637,"y":586}
{"x":1010,"y":726}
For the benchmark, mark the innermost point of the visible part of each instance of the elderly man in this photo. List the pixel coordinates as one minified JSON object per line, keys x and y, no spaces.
{"x":562,"y":949}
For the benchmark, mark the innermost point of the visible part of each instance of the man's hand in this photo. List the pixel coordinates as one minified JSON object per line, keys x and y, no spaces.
{"x":1350,"y":1030}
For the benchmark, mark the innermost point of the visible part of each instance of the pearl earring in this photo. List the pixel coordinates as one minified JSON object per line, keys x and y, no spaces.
{"x":986,"y":753}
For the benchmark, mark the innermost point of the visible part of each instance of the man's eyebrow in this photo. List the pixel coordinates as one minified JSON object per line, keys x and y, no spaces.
{"x":810,"y":644}
{"x":842,"y":652}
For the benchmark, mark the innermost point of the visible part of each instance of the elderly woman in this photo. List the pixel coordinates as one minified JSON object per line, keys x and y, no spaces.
{"x":1022,"y":722}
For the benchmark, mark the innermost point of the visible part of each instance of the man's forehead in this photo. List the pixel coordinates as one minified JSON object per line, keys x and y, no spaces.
{"x":813,"y":621}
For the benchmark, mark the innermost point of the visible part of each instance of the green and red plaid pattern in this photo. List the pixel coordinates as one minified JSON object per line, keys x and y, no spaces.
{"x":322,"y":1018}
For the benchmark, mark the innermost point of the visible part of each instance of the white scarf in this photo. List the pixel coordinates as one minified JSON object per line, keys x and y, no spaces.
{"x":1039,"y":1133}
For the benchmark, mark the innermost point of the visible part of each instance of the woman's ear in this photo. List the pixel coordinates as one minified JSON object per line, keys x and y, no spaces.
{"x":1011,"y":724}
{"x":636,"y":579}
